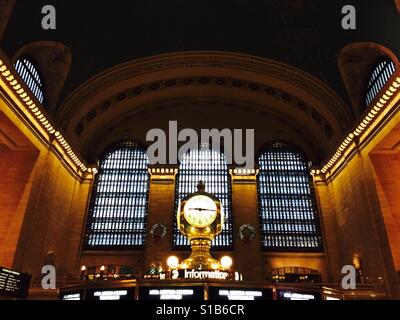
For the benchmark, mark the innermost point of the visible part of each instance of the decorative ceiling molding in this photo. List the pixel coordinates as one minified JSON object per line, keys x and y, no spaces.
{"x":150,"y":88}
{"x":242,"y":67}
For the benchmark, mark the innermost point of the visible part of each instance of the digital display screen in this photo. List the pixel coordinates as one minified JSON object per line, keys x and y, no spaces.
{"x":239,"y":294}
{"x":71,"y":296}
{"x":110,"y":294}
{"x":298,"y":295}
{"x":14,"y":284}
{"x":171,"y":293}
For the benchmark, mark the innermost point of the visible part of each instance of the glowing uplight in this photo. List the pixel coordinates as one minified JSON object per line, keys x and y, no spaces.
{"x":226,"y":262}
{"x":172,"y":262}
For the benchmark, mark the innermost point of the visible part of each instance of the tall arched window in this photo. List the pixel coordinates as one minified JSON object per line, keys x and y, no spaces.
{"x":118,"y":208}
{"x":30,"y":75}
{"x":380,"y":75}
{"x":209,"y":166}
{"x":288,"y":210}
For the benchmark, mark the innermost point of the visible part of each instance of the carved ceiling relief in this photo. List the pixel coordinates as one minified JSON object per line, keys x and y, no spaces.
{"x":308,"y":110}
{"x":224,"y":62}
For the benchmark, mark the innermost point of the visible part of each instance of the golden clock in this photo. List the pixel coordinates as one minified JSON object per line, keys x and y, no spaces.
{"x":200,"y":211}
{"x":200,"y":218}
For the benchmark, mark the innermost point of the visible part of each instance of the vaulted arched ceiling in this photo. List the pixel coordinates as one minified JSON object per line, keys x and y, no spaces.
{"x":304,"y":33}
{"x":280,"y":100}
{"x":133,"y":60}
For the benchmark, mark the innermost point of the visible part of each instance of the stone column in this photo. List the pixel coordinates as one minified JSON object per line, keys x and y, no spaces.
{"x":161,"y":207}
{"x":247,"y":255}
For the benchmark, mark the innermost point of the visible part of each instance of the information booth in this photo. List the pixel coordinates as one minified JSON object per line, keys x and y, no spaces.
{"x":194,"y":290}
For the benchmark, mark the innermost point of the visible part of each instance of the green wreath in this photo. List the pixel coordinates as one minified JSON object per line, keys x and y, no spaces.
{"x":158,"y":231}
{"x":247,"y":232}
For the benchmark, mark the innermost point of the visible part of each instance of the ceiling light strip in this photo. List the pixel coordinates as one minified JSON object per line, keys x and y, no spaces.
{"x":362,"y":127}
{"x":43,"y":121}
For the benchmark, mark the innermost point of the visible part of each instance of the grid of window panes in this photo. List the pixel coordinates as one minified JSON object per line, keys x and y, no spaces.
{"x":287,"y":204}
{"x":379,"y":77}
{"x":118,"y":209}
{"x":30,"y":76}
{"x":209,"y":166}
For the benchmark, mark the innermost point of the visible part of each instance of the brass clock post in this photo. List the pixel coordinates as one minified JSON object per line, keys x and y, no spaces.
{"x":200,"y":218}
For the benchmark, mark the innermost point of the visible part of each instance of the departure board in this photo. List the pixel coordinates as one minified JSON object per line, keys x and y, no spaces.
{"x":14,"y":284}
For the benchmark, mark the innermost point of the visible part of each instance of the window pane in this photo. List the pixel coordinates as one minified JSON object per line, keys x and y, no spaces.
{"x":30,"y":76}
{"x":209,"y":166}
{"x":378,"y":79}
{"x":118,"y":209}
{"x":288,"y":210}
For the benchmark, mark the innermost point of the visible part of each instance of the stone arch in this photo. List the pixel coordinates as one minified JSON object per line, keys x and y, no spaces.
{"x":54,"y":62}
{"x":356,"y":61}
{"x":171,"y":85}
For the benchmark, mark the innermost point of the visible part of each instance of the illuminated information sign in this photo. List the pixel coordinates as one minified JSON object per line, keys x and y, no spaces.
{"x":171,"y":293}
{"x":14,"y":284}
{"x":239,"y":294}
{"x":291,"y":295}
{"x":71,"y":297}
{"x":110,"y":294}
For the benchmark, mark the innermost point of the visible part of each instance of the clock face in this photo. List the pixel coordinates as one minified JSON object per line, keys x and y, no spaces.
{"x":200,"y":211}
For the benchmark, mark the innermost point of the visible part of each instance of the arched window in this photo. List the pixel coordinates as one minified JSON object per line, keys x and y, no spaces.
{"x":287,"y":204}
{"x":209,"y":166}
{"x":380,"y":75}
{"x":118,"y":208}
{"x":30,"y":75}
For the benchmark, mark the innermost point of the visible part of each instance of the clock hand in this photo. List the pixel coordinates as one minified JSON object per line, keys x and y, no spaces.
{"x":201,"y":209}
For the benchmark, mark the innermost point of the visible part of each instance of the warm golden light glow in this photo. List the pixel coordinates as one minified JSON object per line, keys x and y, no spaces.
{"x":172,"y":262}
{"x":226,"y":262}
{"x":244,"y":172}
{"x":364,"y":124}
{"x":357,"y":262}
{"x":184,"y":266}
{"x":215,"y":266}
{"x":163,"y":171}
{"x":32,"y":109}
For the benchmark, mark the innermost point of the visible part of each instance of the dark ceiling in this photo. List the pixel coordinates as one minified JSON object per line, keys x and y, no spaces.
{"x":303,"y":33}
